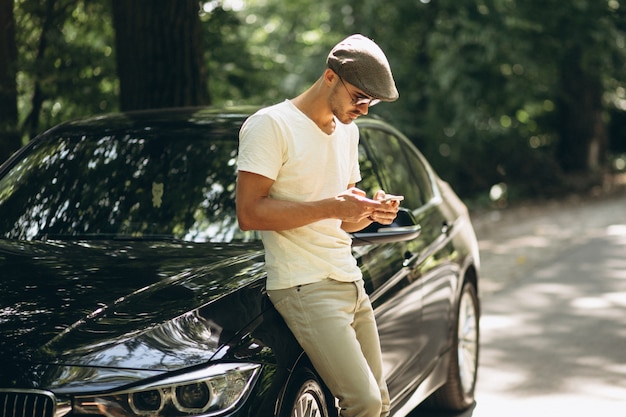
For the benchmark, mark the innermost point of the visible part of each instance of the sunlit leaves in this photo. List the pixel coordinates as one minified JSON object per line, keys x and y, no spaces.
{"x":77,"y":69}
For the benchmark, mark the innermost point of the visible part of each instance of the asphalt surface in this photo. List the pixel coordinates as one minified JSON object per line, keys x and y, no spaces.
{"x":553,"y":328}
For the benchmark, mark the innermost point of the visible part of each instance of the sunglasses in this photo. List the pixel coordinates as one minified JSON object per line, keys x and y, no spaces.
{"x":360,"y":100}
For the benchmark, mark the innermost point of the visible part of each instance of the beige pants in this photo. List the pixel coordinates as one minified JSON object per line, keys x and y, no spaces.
{"x":334,"y":323}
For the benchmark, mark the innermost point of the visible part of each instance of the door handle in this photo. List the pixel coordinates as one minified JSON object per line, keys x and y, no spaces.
{"x":409,"y":258}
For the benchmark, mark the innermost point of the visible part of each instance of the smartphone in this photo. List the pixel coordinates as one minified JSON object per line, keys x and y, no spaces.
{"x":391,"y":197}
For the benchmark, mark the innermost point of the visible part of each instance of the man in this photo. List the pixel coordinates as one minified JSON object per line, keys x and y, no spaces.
{"x":298,"y":166}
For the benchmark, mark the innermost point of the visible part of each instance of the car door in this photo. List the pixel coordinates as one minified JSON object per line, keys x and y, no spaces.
{"x":409,"y":281}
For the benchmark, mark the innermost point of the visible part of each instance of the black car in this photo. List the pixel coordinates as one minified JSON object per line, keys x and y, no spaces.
{"x":127,"y":288}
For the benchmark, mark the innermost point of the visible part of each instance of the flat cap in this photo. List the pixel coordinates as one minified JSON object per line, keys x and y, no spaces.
{"x":359,"y":61}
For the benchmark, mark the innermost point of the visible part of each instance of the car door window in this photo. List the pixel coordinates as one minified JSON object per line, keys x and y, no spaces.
{"x":371,"y":181}
{"x":399,"y":168}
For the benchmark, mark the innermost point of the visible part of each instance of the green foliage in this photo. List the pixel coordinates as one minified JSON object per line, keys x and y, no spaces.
{"x":480,"y":81}
{"x":284,"y":45}
{"x":68,"y":51}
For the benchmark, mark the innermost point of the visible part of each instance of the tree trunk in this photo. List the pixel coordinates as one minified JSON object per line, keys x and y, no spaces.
{"x":9,"y":137}
{"x":31,"y":125}
{"x":583,"y":133}
{"x":159,"y":54}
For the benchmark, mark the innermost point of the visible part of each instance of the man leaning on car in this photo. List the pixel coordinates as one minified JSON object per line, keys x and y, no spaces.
{"x":297,"y":170}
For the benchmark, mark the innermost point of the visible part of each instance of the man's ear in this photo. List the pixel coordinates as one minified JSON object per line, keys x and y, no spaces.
{"x":329,"y":76}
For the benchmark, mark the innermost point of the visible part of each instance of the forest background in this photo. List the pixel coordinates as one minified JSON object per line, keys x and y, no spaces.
{"x":508,"y":99}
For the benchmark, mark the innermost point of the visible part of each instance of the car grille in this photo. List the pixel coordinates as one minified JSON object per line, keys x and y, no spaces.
{"x":26,"y":404}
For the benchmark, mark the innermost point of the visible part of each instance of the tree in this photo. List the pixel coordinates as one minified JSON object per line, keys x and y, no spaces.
{"x":65,"y":62}
{"x":583,"y":138}
{"x":492,"y":91}
{"x":503,"y":90}
{"x":159,"y":53}
{"x":50,"y":18}
{"x":9,"y":137}
{"x":576,"y":40}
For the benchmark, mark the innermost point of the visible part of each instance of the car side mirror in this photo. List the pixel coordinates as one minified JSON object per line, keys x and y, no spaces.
{"x":403,"y":228}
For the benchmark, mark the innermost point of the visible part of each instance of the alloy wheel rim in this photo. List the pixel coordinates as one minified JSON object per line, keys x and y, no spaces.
{"x":307,"y":405}
{"x":467,"y":342}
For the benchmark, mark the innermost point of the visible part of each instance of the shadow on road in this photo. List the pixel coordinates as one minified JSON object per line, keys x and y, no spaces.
{"x":553,"y":324}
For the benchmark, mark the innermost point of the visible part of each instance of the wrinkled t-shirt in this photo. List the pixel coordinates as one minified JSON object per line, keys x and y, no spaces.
{"x":283,"y":144}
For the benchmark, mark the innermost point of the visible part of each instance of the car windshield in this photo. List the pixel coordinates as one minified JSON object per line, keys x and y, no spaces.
{"x":126,"y":186}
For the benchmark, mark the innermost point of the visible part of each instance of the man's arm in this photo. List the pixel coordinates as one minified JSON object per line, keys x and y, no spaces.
{"x":257,"y":211}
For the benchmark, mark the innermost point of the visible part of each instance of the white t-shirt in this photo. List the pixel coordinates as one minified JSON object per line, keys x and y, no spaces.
{"x":283,"y":144}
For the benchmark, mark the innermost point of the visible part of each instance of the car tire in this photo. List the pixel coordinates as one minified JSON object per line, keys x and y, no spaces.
{"x":457,"y":393}
{"x":306,"y":396}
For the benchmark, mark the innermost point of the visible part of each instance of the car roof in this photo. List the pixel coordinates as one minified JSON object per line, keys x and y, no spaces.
{"x":170,"y":119}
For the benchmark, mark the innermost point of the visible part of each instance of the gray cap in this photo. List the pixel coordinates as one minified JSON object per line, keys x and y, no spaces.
{"x":359,"y":61}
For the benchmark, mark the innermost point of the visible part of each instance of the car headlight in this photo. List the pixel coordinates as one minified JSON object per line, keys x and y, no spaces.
{"x":206,"y":392}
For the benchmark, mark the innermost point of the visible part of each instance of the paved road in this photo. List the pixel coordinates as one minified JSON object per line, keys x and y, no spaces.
{"x":554,"y":311}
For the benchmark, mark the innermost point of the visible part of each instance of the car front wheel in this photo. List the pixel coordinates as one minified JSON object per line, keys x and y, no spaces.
{"x":458,"y":392}
{"x":306,"y":396}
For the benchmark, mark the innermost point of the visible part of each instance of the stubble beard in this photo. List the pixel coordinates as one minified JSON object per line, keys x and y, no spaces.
{"x":344,"y":116}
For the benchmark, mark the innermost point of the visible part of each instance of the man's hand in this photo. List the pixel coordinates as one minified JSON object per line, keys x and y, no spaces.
{"x":354,"y":206}
{"x":387,"y":211}
{"x":363,"y":210}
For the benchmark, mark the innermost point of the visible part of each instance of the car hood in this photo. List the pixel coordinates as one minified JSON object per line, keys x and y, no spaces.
{"x":125,"y":305}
